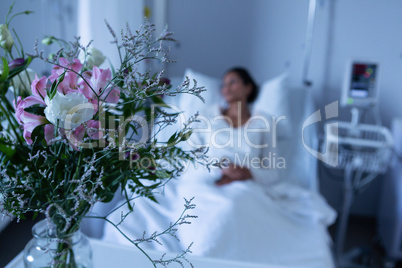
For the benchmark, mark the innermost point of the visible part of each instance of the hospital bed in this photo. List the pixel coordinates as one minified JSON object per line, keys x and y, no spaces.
{"x":276,"y":98}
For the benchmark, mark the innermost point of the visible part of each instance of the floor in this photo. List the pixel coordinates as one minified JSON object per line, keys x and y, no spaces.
{"x":361,"y":232}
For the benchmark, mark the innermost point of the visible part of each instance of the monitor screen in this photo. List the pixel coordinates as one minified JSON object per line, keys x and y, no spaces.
{"x":361,"y":84}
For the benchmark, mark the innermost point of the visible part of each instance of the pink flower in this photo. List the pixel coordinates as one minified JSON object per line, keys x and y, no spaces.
{"x":57,"y":70}
{"x":32,"y":100}
{"x":69,"y":84}
{"x":112,"y":95}
{"x":30,"y":122}
{"x":74,"y":136}
{"x":38,"y":87}
{"x":49,"y":133}
{"x":93,"y":129}
{"x":19,"y":106}
{"x":97,"y":88}
{"x":79,"y":133}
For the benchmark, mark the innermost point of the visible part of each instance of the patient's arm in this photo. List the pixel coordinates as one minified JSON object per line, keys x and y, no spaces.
{"x":224,"y":180}
{"x":234,"y":173}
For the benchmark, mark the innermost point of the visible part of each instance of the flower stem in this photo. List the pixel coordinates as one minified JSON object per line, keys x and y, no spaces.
{"x":65,"y":257}
{"x":8,"y":116}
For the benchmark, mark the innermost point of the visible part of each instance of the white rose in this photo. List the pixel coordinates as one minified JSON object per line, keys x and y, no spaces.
{"x":6,"y":40}
{"x":71,"y":110}
{"x":94,"y":58}
{"x":23,"y":80}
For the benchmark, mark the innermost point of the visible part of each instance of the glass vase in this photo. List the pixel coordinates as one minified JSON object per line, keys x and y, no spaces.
{"x":49,"y":249}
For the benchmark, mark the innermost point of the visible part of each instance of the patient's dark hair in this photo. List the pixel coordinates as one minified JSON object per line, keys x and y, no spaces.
{"x":247,"y":79}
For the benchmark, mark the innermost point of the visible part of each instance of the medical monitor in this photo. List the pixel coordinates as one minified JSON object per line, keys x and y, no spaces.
{"x":361,"y":84}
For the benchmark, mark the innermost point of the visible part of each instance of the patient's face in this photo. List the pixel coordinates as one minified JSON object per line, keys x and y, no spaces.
{"x":233,"y":89}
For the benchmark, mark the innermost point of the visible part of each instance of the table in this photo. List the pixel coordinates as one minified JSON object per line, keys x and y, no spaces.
{"x":107,"y":255}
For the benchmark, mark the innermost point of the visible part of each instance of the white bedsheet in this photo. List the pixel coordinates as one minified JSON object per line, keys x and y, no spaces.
{"x":238,"y":222}
{"x":267,"y":220}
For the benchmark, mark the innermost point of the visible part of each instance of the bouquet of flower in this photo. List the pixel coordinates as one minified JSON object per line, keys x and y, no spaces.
{"x":69,"y":140}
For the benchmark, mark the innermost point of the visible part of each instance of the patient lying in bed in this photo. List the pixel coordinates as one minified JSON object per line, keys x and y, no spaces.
{"x":245,"y":210}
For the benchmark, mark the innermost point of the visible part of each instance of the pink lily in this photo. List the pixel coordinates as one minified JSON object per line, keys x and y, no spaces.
{"x":19,"y":105}
{"x":69,"y":83}
{"x":74,"y":136}
{"x":79,"y":133}
{"x":76,"y":66}
{"x":30,"y":122}
{"x":93,"y":129}
{"x":96,"y":89}
{"x":49,"y":133}
{"x":38,"y":88}
{"x":71,"y":136}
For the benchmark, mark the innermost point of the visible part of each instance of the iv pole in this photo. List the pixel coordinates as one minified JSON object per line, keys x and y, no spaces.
{"x":308,"y":42}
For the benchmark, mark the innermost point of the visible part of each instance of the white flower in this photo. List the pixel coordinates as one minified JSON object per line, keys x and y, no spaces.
{"x":71,"y":110}
{"x":23,"y":81}
{"x":6,"y":40}
{"x":94,"y":58}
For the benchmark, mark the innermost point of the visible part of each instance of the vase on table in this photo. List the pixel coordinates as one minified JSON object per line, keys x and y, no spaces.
{"x":48,"y":248}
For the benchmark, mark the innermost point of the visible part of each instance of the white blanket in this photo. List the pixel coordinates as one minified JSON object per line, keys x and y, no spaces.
{"x":264,"y":220}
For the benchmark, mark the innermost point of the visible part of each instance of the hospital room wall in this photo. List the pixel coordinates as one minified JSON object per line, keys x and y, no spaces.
{"x":47,"y":19}
{"x":268,"y":36}
{"x":67,"y":19}
{"x":211,"y":35}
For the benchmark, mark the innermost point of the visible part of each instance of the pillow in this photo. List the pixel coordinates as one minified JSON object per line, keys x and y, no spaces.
{"x":190,"y":104}
{"x":273,"y":99}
